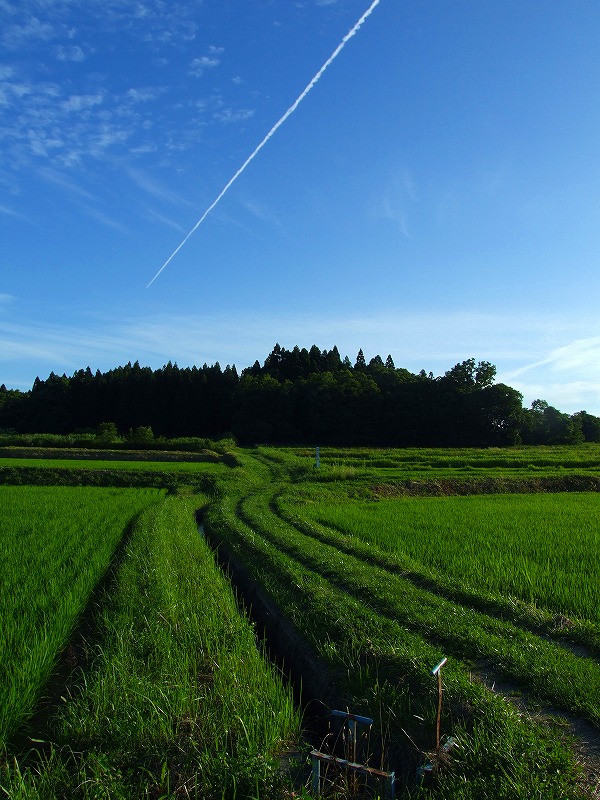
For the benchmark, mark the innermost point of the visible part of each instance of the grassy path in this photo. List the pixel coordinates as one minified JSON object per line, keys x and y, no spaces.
{"x":381,"y":633}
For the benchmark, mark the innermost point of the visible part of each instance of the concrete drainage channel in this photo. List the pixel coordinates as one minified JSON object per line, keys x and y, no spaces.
{"x":314,"y":686}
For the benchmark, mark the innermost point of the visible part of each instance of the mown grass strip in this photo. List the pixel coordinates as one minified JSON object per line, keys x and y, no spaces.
{"x":175,"y":699}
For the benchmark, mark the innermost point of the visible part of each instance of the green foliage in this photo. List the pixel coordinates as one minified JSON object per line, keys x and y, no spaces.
{"x":141,"y":436}
{"x":107,"y":433}
{"x":467,"y":375}
{"x":371,"y":403}
{"x":544,"y":424}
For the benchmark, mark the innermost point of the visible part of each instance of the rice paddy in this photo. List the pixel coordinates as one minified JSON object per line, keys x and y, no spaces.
{"x":380,"y":585}
{"x":55,"y":545}
{"x":171,"y":695}
{"x":539,"y":548}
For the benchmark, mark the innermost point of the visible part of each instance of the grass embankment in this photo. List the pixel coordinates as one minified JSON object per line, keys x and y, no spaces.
{"x":78,"y":454}
{"x":379,"y":634}
{"x":174,"y":698}
{"x":127,"y":474}
{"x":55,"y":545}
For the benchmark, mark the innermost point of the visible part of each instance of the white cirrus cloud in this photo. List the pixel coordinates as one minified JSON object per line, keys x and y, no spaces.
{"x":70,"y":53}
{"x":10,"y":212}
{"x":153,"y":187}
{"x":198,"y":66}
{"x":231,"y":115}
{"x":15,"y":36}
{"x":581,"y":356}
{"x":104,"y":218}
{"x":64,"y":182}
{"x":143,"y":94}
{"x":81,"y":102}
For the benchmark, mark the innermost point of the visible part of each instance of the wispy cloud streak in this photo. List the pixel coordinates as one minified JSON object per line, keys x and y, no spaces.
{"x":352,"y":32}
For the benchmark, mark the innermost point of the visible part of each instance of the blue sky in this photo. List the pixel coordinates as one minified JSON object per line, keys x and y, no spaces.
{"x":435,"y":196}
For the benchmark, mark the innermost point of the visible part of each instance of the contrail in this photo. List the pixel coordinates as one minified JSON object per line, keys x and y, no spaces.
{"x":352,"y":32}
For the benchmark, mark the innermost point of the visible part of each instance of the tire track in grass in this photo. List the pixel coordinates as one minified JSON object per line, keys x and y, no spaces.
{"x":518,"y":655}
{"x":585,"y":736}
{"x":553,"y":628}
{"x":309,"y":604}
{"x":494,"y":678}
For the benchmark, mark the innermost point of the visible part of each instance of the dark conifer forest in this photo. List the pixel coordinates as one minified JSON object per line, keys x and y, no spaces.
{"x":296,"y":396}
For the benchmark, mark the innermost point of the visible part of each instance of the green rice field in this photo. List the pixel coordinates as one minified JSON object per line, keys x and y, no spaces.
{"x":169,"y":694}
{"x":55,"y":545}
{"x":540,"y":548}
{"x":382,"y":589}
{"x":381,"y":563}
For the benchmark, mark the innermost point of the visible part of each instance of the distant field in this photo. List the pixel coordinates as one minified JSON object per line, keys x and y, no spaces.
{"x":99,"y":464}
{"x":429,"y":463}
{"x":55,"y":544}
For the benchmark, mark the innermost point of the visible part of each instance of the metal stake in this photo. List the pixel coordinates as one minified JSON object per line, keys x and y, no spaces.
{"x":437,"y":670}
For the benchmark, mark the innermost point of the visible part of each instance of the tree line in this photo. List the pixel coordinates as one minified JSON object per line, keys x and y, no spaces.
{"x":297,"y":396}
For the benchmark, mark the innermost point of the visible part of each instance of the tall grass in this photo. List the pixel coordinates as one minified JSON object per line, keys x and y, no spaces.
{"x":55,"y":544}
{"x":175,"y":699}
